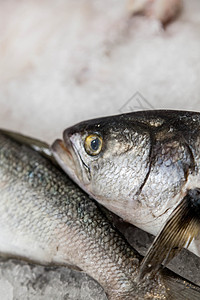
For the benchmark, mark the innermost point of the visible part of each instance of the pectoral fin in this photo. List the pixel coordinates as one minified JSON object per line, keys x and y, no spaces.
{"x":181,"y":227}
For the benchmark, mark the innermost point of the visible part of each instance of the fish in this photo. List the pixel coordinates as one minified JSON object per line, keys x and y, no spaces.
{"x":145,"y":167}
{"x":46,"y":218}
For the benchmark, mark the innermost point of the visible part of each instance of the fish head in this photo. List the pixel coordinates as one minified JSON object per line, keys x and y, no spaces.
{"x":107,"y":157}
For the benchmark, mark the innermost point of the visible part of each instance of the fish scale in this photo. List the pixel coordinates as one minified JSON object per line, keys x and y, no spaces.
{"x":46,"y":218}
{"x":52,"y":221}
{"x":145,"y":169}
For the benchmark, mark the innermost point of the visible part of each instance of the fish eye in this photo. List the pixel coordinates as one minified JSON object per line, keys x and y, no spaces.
{"x":93,"y":144}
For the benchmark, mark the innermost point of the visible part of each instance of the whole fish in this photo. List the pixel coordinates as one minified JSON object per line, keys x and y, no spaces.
{"x":145,"y":167}
{"x":46,"y":218}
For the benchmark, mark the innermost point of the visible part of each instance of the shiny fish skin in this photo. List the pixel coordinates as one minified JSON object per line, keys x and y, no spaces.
{"x":149,"y":160}
{"x":46,"y":218}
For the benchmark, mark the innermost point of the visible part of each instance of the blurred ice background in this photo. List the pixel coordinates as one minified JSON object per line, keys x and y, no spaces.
{"x":65,"y":61}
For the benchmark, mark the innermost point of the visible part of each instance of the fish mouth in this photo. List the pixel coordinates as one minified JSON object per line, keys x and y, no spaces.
{"x":69,"y":159}
{"x":64,"y":157}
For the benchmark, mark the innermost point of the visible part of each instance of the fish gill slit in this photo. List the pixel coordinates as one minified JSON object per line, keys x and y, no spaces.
{"x":192,"y":165}
{"x":152,"y":139}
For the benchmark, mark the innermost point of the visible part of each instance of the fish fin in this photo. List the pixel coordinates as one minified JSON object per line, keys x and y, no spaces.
{"x":35,"y":144}
{"x":179,"y":288}
{"x":182,"y":226}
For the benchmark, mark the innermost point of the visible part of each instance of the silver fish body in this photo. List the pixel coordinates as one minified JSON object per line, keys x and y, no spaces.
{"x":45,"y":217}
{"x":146,"y":163}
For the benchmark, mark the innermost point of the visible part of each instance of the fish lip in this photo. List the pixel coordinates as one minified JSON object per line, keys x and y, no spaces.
{"x":64,"y":157}
{"x":66,"y":148}
{"x":69,"y":158}
{"x":65,"y":160}
{"x":63,"y":147}
{"x":67,"y":134}
{"x":71,"y":147}
{"x":67,"y":144}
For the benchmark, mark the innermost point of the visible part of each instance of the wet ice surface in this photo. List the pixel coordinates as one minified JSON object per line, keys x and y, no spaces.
{"x":185,"y":264}
{"x":22,"y":281}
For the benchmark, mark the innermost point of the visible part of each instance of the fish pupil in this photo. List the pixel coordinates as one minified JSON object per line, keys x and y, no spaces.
{"x":95,"y":144}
